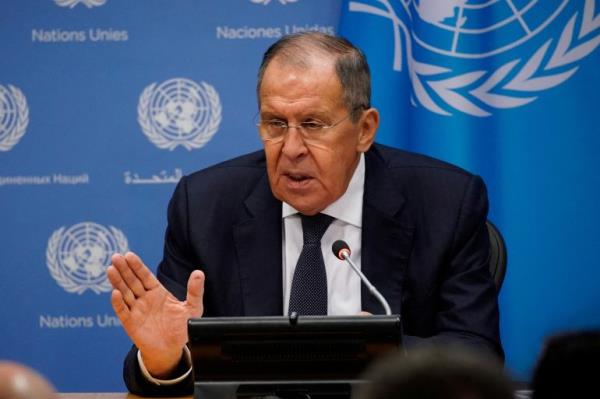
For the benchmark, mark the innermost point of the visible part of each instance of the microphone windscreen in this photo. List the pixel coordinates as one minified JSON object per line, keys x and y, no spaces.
{"x":338,"y":247}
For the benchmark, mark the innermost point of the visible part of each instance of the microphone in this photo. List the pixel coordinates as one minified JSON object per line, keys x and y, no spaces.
{"x":342,"y":251}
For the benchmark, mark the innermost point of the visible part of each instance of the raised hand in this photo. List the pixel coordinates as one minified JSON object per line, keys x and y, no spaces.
{"x":153,"y":318}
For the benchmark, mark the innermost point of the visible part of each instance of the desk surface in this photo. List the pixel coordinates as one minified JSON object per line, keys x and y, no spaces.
{"x":108,"y":395}
{"x":519,"y":394}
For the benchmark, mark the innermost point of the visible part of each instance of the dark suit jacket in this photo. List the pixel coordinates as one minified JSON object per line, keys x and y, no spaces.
{"x":424,"y":245}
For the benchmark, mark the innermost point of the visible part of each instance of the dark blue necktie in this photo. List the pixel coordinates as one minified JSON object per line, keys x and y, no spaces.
{"x":308,"y":295}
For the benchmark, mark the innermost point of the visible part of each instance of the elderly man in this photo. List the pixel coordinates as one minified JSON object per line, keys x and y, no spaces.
{"x":243,"y":236}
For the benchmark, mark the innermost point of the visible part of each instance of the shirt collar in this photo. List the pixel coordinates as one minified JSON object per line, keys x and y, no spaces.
{"x":348,"y":208}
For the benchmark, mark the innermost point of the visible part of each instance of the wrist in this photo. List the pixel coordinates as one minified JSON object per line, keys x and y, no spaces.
{"x":162,"y":366}
{"x":179,"y":374}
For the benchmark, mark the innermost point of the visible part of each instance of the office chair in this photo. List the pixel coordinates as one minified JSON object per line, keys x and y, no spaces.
{"x":497,"y":255}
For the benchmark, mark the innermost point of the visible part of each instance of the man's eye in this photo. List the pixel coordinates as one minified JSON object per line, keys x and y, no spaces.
{"x":275,"y":124}
{"x":312,"y":125}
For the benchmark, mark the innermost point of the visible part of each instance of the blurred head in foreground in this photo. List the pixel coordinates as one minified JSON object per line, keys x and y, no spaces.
{"x":437,"y":372}
{"x":21,"y":382}
{"x":568,"y":367}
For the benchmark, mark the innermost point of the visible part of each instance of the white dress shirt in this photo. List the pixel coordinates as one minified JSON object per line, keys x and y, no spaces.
{"x":343,"y":285}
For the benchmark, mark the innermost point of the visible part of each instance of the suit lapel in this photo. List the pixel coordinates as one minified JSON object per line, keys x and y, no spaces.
{"x":386,"y":237}
{"x":257,"y":238}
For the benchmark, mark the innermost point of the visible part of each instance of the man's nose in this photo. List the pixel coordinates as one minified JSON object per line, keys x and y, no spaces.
{"x":293,"y":143}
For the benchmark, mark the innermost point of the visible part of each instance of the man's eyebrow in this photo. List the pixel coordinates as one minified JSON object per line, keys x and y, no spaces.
{"x":318,"y":114}
{"x":269,"y":115}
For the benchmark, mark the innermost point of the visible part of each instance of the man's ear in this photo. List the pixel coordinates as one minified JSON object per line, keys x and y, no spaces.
{"x":368,"y":124}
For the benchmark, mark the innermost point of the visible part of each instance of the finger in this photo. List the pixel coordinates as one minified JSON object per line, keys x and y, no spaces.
{"x":364,"y":313}
{"x":114,"y":276}
{"x":120,"y":307}
{"x":195,"y":293}
{"x":141,"y":271}
{"x":124,"y":266}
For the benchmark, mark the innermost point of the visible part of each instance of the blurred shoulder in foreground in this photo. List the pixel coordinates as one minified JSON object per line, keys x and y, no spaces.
{"x":568,"y":366}
{"x":437,"y":372}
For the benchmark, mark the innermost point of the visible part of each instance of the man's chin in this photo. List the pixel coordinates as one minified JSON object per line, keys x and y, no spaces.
{"x":302,"y":204}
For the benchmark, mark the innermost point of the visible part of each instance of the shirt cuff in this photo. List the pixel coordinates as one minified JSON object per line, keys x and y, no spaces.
{"x":188,"y":359}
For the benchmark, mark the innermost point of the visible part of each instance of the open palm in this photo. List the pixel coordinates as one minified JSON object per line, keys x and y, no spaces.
{"x":153,"y":318}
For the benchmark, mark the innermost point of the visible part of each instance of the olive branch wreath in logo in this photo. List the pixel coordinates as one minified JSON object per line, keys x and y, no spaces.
{"x":199,"y":140}
{"x":265,"y":2}
{"x":17,"y":131}
{"x":527,"y":80}
{"x":63,"y":278}
{"x":73,"y":3}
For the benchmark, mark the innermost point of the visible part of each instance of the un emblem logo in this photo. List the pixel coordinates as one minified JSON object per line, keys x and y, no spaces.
{"x":14,"y":116}
{"x":460,"y":53}
{"x":179,"y":112}
{"x":73,"y":3}
{"x":78,"y":256}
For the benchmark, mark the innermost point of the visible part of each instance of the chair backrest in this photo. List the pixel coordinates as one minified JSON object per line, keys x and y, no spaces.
{"x":498,"y":256}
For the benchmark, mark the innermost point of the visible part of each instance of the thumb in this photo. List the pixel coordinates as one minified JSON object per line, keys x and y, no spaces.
{"x":195,"y":293}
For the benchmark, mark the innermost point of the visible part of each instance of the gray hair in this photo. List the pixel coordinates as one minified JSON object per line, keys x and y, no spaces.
{"x":351,"y":65}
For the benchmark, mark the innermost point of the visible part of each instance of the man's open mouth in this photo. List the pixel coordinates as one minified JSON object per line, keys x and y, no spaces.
{"x":298,"y":177}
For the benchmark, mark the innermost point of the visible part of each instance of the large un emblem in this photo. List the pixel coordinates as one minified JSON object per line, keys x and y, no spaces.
{"x":14,"y":116}
{"x":78,"y":256}
{"x":179,"y":112}
{"x":448,"y":45}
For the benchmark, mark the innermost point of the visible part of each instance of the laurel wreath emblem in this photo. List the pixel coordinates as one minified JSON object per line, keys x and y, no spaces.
{"x":73,"y":3}
{"x":63,"y":279}
{"x":533,"y":75}
{"x":13,"y":137}
{"x":266,"y":2}
{"x":198,"y":141}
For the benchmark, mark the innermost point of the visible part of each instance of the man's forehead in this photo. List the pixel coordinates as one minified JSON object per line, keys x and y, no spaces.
{"x":317,"y":74}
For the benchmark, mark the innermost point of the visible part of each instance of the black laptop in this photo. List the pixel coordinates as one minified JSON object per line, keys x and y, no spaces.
{"x":287,"y":357}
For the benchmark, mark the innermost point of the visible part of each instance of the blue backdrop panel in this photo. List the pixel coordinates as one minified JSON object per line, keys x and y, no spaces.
{"x":104,"y":104}
{"x":508,"y":90}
